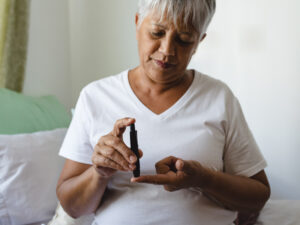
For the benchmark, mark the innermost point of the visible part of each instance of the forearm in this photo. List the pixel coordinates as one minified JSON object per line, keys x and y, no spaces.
{"x":81,"y":195}
{"x":237,"y":192}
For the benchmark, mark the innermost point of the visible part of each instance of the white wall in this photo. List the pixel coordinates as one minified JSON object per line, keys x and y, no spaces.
{"x":48,"y":67}
{"x":254,"y":47}
{"x":72,"y":43}
{"x":102,"y":39}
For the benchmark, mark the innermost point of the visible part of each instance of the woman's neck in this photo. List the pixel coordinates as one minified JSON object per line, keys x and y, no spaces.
{"x":156,"y":96}
{"x":141,"y":83}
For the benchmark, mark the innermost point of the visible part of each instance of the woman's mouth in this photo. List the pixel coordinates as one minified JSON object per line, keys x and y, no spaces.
{"x":163,"y":65}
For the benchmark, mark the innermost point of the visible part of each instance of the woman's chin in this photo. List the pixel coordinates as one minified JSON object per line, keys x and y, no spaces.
{"x":161,"y":77}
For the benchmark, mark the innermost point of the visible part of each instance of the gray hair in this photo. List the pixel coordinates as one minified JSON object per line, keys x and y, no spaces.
{"x":198,"y":12}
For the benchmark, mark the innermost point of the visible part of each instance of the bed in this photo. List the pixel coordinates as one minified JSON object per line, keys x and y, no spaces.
{"x":31,"y":132}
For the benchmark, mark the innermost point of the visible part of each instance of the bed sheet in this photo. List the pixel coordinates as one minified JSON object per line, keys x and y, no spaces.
{"x":280,"y":212}
{"x":275,"y":212}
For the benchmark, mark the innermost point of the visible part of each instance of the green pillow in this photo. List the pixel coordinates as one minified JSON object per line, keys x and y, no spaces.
{"x":24,"y":114}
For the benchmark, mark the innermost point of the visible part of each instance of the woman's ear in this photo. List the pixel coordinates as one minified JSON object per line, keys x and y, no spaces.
{"x":136,"y":25}
{"x":202,"y":38}
{"x":136,"y":19}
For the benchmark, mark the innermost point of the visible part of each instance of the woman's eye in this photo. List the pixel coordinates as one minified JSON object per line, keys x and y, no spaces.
{"x":184,"y":42}
{"x":157,"y":34}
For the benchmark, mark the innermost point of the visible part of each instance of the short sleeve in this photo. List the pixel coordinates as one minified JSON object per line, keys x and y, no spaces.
{"x":241,"y":154}
{"x":76,"y":145}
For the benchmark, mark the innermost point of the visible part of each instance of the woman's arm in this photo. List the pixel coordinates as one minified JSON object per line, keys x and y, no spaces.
{"x":239,"y":193}
{"x":235,"y":192}
{"x":80,"y":188}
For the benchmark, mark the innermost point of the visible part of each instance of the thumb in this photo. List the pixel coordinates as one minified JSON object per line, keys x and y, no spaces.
{"x":184,"y":166}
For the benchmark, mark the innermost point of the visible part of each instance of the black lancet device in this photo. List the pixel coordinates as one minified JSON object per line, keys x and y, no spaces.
{"x":135,"y":149}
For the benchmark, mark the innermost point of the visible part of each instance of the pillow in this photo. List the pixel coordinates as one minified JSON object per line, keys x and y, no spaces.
{"x":24,"y":114}
{"x":30,"y":167}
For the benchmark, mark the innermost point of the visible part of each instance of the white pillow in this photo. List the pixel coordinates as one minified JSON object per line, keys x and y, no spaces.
{"x":30,"y":167}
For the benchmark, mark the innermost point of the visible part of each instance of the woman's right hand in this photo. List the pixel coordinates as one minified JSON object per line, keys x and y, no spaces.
{"x":111,"y":154}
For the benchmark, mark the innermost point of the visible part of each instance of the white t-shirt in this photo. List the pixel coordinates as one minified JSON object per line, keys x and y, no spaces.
{"x":206,"y":124}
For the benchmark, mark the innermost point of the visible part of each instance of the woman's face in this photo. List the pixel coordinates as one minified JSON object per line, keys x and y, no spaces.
{"x":164,"y":51}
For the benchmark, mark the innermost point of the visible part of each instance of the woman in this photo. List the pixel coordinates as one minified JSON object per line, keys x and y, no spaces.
{"x":200,"y":162}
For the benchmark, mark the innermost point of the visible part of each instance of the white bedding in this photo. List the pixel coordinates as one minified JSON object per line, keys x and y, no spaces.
{"x":275,"y":212}
{"x":280,"y":212}
{"x":29,"y":170}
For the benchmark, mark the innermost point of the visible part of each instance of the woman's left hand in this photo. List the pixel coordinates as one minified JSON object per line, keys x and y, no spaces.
{"x":175,"y":174}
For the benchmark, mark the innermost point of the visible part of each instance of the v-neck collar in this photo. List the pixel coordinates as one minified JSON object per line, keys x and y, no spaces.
{"x":168,"y":112}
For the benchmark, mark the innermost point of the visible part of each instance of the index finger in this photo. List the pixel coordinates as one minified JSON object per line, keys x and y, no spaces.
{"x":159,"y":179}
{"x":121,"y":125}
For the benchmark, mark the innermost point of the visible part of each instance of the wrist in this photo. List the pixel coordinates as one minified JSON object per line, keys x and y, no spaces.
{"x":205,"y":178}
{"x":99,"y":177}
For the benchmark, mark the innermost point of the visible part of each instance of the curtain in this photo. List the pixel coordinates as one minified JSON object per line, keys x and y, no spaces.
{"x":13,"y":42}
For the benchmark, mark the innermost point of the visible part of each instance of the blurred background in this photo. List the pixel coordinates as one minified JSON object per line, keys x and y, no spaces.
{"x":252,"y":45}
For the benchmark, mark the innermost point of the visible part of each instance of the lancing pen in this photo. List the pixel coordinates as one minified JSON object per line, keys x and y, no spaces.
{"x":135,"y":149}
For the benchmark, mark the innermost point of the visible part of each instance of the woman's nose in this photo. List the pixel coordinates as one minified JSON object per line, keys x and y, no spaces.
{"x":167,"y":46}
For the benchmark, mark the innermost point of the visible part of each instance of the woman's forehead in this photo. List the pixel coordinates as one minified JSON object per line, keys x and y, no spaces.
{"x":165,"y":20}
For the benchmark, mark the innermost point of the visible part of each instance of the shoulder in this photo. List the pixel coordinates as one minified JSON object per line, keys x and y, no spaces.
{"x":101,"y":91}
{"x":213,"y":87}
{"x":106,"y":86}
{"x":106,"y":83}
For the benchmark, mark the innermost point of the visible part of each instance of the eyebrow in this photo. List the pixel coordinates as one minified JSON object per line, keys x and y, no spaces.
{"x":159,"y":25}
{"x":164,"y":27}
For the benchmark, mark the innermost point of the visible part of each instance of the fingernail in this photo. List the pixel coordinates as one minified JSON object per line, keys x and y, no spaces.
{"x":132,"y":158}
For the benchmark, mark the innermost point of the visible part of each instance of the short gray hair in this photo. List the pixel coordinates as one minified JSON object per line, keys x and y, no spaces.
{"x":198,"y":12}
